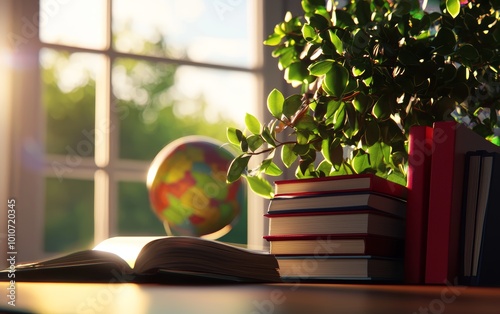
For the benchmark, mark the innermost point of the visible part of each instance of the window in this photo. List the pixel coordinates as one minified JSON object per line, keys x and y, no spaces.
{"x":98,"y":83}
{"x":119,"y":86}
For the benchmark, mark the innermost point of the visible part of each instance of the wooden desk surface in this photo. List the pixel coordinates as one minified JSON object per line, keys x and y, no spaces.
{"x":251,"y":299}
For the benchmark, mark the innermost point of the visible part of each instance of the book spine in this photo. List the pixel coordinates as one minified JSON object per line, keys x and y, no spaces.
{"x":418,"y":179}
{"x":333,"y":213}
{"x":472,"y":171}
{"x":371,"y":183}
{"x":489,"y":258}
{"x":438,"y":263}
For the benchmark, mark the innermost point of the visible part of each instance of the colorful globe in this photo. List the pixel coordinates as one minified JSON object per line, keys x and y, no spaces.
{"x":188,"y":190}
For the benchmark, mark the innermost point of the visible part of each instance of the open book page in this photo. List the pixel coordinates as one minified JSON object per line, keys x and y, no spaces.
{"x":128,"y":248}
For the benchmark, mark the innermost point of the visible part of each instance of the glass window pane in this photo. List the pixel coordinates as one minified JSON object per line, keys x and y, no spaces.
{"x":68,"y":91}
{"x":69,"y":215}
{"x":158,"y":103}
{"x":135,"y":216}
{"x":219,"y":32}
{"x":80,"y":23}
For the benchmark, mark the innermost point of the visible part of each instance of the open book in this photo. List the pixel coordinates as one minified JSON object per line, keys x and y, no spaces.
{"x":176,"y":259}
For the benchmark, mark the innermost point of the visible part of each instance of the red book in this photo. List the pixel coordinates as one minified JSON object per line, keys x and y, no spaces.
{"x":451,"y":141}
{"x":418,"y":178}
{"x":338,"y":202}
{"x":342,"y":183}
{"x":336,"y":244}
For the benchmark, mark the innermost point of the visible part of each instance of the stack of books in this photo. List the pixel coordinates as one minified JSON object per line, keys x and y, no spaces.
{"x":344,"y":228}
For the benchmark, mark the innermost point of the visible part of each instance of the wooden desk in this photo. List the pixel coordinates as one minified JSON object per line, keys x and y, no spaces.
{"x":252,"y":299}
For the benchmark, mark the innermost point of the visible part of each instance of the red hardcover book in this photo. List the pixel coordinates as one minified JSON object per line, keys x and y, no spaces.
{"x":418,"y":178}
{"x":342,"y":183}
{"x":451,"y":141}
{"x":336,"y":244}
{"x":338,"y":202}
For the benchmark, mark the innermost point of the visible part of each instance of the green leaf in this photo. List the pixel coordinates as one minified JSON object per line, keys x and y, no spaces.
{"x":336,"y":80}
{"x":254,"y":142}
{"x":496,"y":140}
{"x":386,"y":150}
{"x":332,"y":151}
{"x":273,"y":40}
{"x":453,"y":7}
{"x":331,"y":107}
{"x":325,"y":168}
{"x":325,"y":149}
{"x":306,"y":122}
{"x":286,"y":57}
{"x":321,"y":67}
{"x":339,"y":46}
{"x":319,"y":22}
{"x":302,"y":138}
{"x":237,"y":167}
{"x":296,"y":72}
{"x":275,"y":101}
{"x":382,"y":108}
{"x":234,"y":136}
{"x":273,"y":170}
{"x":397,"y":178}
{"x":260,"y":186}
{"x":244,"y":145}
{"x":300,"y":149}
{"x":309,"y":33}
{"x":306,"y":163}
{"x":372,"y":133}
{"x":252,"y":124}
{"x":287,"y":155}
{"x":362,"y":102}
{"x":339,"y":117}
{"x":351,"y":126}
{"x":291,"y":105}
{"x":468,"y":52}
{"x":361,"y":161}
{"x":377,"y":157}
{"x":266,"y":134}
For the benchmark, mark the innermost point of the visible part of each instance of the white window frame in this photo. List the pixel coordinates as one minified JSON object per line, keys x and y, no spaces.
{"x":22,"y":124}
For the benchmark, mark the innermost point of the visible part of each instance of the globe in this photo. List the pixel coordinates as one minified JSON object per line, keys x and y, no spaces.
{"x":188,"y":190}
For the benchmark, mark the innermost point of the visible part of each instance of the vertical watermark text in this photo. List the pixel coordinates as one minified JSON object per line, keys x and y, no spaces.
{"x":11,"y":251}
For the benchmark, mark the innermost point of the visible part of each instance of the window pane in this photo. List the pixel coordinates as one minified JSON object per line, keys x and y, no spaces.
{"x":80,"y":23}
{"x":68,"y":90}
{"x":135,"y":216}
{"x":204,"y":31}
{"x":69,"y":215}
{"x":158,"y":103}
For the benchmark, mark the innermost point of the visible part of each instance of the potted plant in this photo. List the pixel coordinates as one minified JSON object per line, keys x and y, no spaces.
{"x":366,"y":73}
